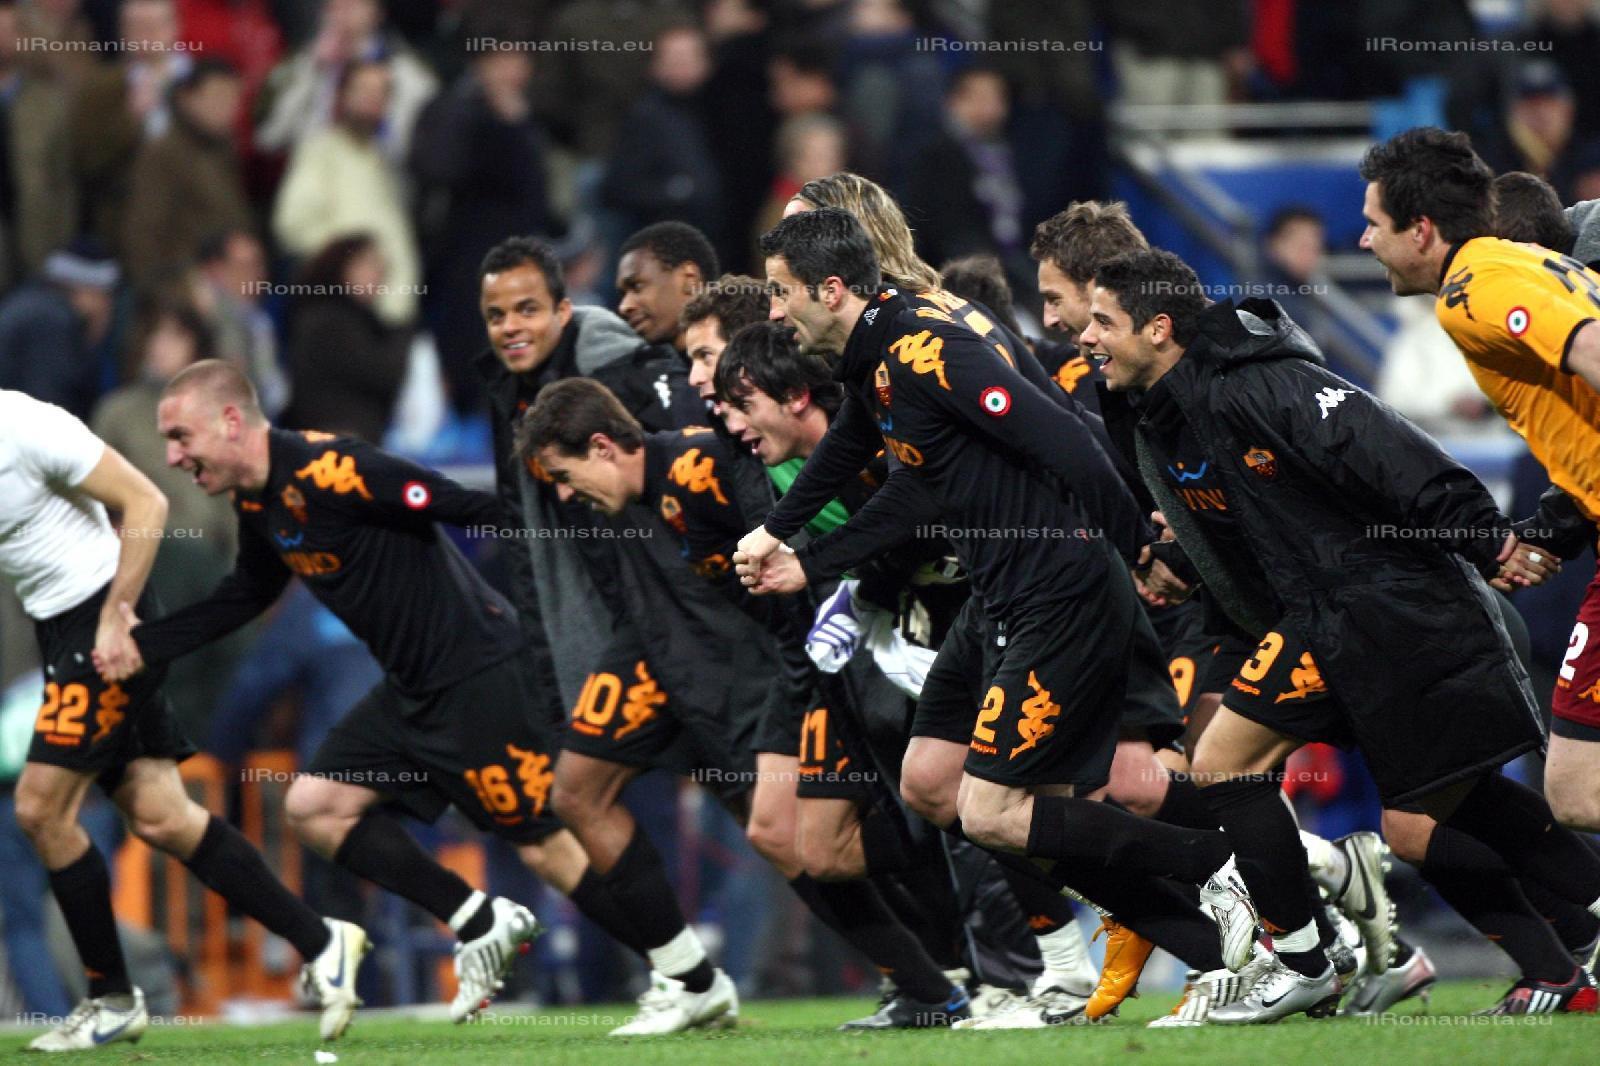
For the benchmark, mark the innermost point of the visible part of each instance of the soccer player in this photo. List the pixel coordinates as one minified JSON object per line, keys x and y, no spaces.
{"x":992,"y":453}
{"x":76,"y":576}
{"x":1069,"y":247}
{"x":450,"y":724}
{"x":932,"y":764}
{"x":1527,"y":320}
{"x":595,"y":452}
{"x":661,"y":269}
{"x":1280,"y":485}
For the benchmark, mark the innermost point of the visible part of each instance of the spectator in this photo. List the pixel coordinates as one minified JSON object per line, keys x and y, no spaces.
{"x":1293,"y":251}
{"x":889,"y":83}
{"x":964,"y":194}
{"x":121,"y":105}
{"x":1296,"y":243}
{"x":346,"y":364}
{"x":35,"y":162}
{"x":742,"y":124}
{"x":802,"y":81}
{"x":1571,"y":31}
{"x":340,"y":182}
{"x":1537,"y":127}
{"x":229,"y":284}
{"x":1178,"y":52}
{"x":185,"y":184}
{"x":303,"y":96}
{"x":51,"y":328}
{"x":479,"y":157}
{"x":1057,"y":108}
{"x":202,"y":531}
{"x":662,"y":268}
{"x":662,"y":167}
{"x":587,"y":93}
{"x":1527,"y":209}
{"x":168,"y":337}
{"x":809,"y":147}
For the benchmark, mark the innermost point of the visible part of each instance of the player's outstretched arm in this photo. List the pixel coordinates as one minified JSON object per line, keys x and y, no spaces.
{"x":142,"y":508}
{"x":258,"y":577}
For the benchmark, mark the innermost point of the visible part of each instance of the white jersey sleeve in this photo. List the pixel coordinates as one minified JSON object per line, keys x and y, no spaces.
{"x":57,"y":445}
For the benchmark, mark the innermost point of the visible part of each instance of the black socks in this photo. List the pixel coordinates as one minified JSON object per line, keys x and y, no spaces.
{"x":230,"y":866}
{"x":857,"y":912}
{"x":595,"y":902}
{"x":644,"y":896}
{"x":83,"y":888}
{"x":379,"y":849}
{"x":1517,"y":823}
{"x":1483,"y":892}
{"x":1090,"y":834}
{"x":1271,"y":859}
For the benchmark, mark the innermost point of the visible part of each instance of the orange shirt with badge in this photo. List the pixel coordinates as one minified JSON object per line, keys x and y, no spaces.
{"x":1513,"y":310}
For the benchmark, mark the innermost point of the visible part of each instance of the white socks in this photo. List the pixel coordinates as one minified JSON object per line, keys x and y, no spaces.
{"x":1329,"y":867}
{"x":679,"y":955}
{"x":465,"y":912}
{"x":1064,"y":950}
{"x":1302,"y":939}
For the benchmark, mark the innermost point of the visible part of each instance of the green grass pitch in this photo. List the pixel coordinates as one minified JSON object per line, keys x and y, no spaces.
{"x":800,"y":1033}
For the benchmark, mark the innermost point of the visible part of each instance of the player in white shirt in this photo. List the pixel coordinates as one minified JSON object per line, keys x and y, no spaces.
{"x":84,"y":586}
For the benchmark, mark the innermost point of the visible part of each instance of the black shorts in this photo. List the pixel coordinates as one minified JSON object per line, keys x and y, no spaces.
{"x":832,"y":764}
{"x":953,"y":689}
{"x":1229,"y":652}
{"x":477,"y":745}
{"x":87,"y":725}
{"x":1152,"y":710}
{"x":782,"y":717}
{"x":1055,"y":689}
{"x":623,"y":715}
{"x":1280,"y":686}
{"x":1186,"y":646}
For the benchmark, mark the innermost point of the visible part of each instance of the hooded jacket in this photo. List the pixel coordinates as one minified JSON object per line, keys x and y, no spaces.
{"x":555,"y":554}
{"x":1585,"y":219}
{"x":1367,"y":540}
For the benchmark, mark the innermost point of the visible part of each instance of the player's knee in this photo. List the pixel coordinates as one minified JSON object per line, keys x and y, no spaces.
{"x":166,"y":830}
{"x":984,"y":825}
{"x":929,"y":797}
{"x":1407,"y":835}
{"x":38,"y":815}
{"x":825,"y":860}
{"x":574,"y":803}
{"x":772,"y":838}
{"x":1575,"y":803}
{"x":306,"y":801}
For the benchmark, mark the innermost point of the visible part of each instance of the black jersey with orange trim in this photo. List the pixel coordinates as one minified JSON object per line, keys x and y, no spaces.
{"x":689,"y":482}
{"x":1014,"y":476}
{"x":359,"y":527}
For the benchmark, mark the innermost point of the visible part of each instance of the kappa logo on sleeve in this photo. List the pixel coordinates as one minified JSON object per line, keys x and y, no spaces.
{"x":1330,"y":397}
{"x":697,"y":474}
{"x":336,"y":473}
{"x":923,"y":353}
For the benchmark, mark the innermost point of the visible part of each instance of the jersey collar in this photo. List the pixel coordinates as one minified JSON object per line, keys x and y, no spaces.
{"x":866,"y":339}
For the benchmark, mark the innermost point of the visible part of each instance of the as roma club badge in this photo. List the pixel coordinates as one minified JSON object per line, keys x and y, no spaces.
{"x":295,"y":502}
{"x":880,"y":381}
{"x":1262,"y":462}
